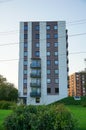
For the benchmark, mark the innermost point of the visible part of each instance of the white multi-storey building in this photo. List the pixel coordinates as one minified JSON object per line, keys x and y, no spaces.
{"x":43,"y":62}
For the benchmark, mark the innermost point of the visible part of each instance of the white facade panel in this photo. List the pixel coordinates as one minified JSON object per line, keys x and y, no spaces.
{"x":21,"y":53}
{"x":43,"y":61}
{"x":62,"y":59}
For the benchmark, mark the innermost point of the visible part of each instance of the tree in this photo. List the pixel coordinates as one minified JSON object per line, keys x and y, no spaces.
{"x":8,"y":91}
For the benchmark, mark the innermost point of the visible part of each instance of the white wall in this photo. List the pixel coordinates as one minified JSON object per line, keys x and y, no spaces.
{"x":20,"y":74}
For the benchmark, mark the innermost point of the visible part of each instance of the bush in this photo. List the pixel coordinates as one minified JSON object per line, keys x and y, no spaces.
{"x":40,"y":118}
{"x":7,"y":105}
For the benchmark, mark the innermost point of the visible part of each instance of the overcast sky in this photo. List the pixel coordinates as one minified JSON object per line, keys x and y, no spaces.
{"x":14,"y":11}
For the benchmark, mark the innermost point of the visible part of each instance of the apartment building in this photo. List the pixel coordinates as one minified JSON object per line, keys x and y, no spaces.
{"x":77,"y":84}
{"x":43,"y":62}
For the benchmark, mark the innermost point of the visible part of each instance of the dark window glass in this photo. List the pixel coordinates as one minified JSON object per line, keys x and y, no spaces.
{"x":37,"y":44}
{"x":37,"y":100}
{"x":56,"y":62}
{"x":37,"y":36}
{"x":25,"y":44}
{"x":48,"y":90}
{"x":48,"y":35}
{"x":55,"y":36}
{"x":25,"y":27}
{"x":37,"y":27}
{"x":48,"y":44}
{"x":56,"y":71}
{"x":48,"y":80}
{"x":56,"y":90}
{"x":48,"y":71}
{"x":48,"y":62}
{"x":25,"y":53}
{"x":25,"y":80}
{"x":25,"y":36}
{"x":55,"y":27}
{"x":37,"y":53}
{"x":55,"y":53}
{"x":48,"y":27}
{"x":55,"y":44}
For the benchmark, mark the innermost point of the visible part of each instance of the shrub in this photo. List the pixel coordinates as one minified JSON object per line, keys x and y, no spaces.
{"x":7,"y":105}
{"x":40,"y":118}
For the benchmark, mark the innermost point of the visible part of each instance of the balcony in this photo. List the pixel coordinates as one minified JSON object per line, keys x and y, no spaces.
{"x":35,"y":75}
{"x":35,"y":65}
{"x":38,"y":85}
{"x":35,"y":94}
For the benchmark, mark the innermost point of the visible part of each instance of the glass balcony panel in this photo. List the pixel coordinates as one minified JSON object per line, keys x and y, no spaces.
{"x":35,"y":63}
{"x":35,"y":94}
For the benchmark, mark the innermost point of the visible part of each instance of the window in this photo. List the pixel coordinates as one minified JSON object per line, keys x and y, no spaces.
{"x":55,"y":36}
{"x":25,"y":62}
{"x":36,"y":63}
{"x":37,"y":36}
{"x":55,"y":27}
{"x":56,"y":90}
{"x":55,"y":53}
{"x":48,"y":62}
{"x":48,"y":90}
{"x":25,"y":45}
{"x":25,"y":36}
{"x":25,"y":90}
{"x":37,"y":100}
{"x":48,"y":44}
{"x":25,"y":53}
{"x":25,"y":71}
{"x":56,"y":62}
{"x":48,"y":71}
{"x":37,"y":53}
{"x":56,"y":81}
{"x":55,"y":44}
{"x":48,"y":36}
{"x":56,"y":71}
{"x":25,"y":80}
{"x":37,"y":27}
{"x":25,"y":27}
{"x":48,"y":80}
{"x":48,"y":53}
{"x":48,"y":27}
{"x":37,"y":44}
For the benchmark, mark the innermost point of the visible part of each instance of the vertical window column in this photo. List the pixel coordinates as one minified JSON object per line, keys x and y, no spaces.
{"x":25,"y":58}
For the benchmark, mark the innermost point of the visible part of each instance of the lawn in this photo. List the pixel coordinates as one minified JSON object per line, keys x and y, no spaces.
{"x":79,"y":113}
{"x":3,"y":115}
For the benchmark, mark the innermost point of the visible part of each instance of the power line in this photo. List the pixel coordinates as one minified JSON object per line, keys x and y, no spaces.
{"x":4,"y":1}
{"x":72,"y":53}
{"x":72,"y":35}
{"x":8,"y":44}
{"x":82,"y":21}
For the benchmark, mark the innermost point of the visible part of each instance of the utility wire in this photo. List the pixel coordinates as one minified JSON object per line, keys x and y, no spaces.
{"x":72,"y":35}
{"x":82,"y":21}
{"x":72,"y":53}
{"x":4,"y":1}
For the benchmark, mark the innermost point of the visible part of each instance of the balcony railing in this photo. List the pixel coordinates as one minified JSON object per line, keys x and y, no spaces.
{"x":35,"y":94}
{"x":35,"y":65}
{"x":38,"y":85}
{"x":36,"y":75}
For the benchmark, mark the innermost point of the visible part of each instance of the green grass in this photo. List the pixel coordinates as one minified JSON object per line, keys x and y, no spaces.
{"x":3,"y":115}
{"x":79,"y":113}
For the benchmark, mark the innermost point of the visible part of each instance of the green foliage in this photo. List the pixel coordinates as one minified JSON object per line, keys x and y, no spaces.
{"x":7,"y":105}
{"x":71,"y":101}
{"x":7,"y":90}
{"x":40,"y":118}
